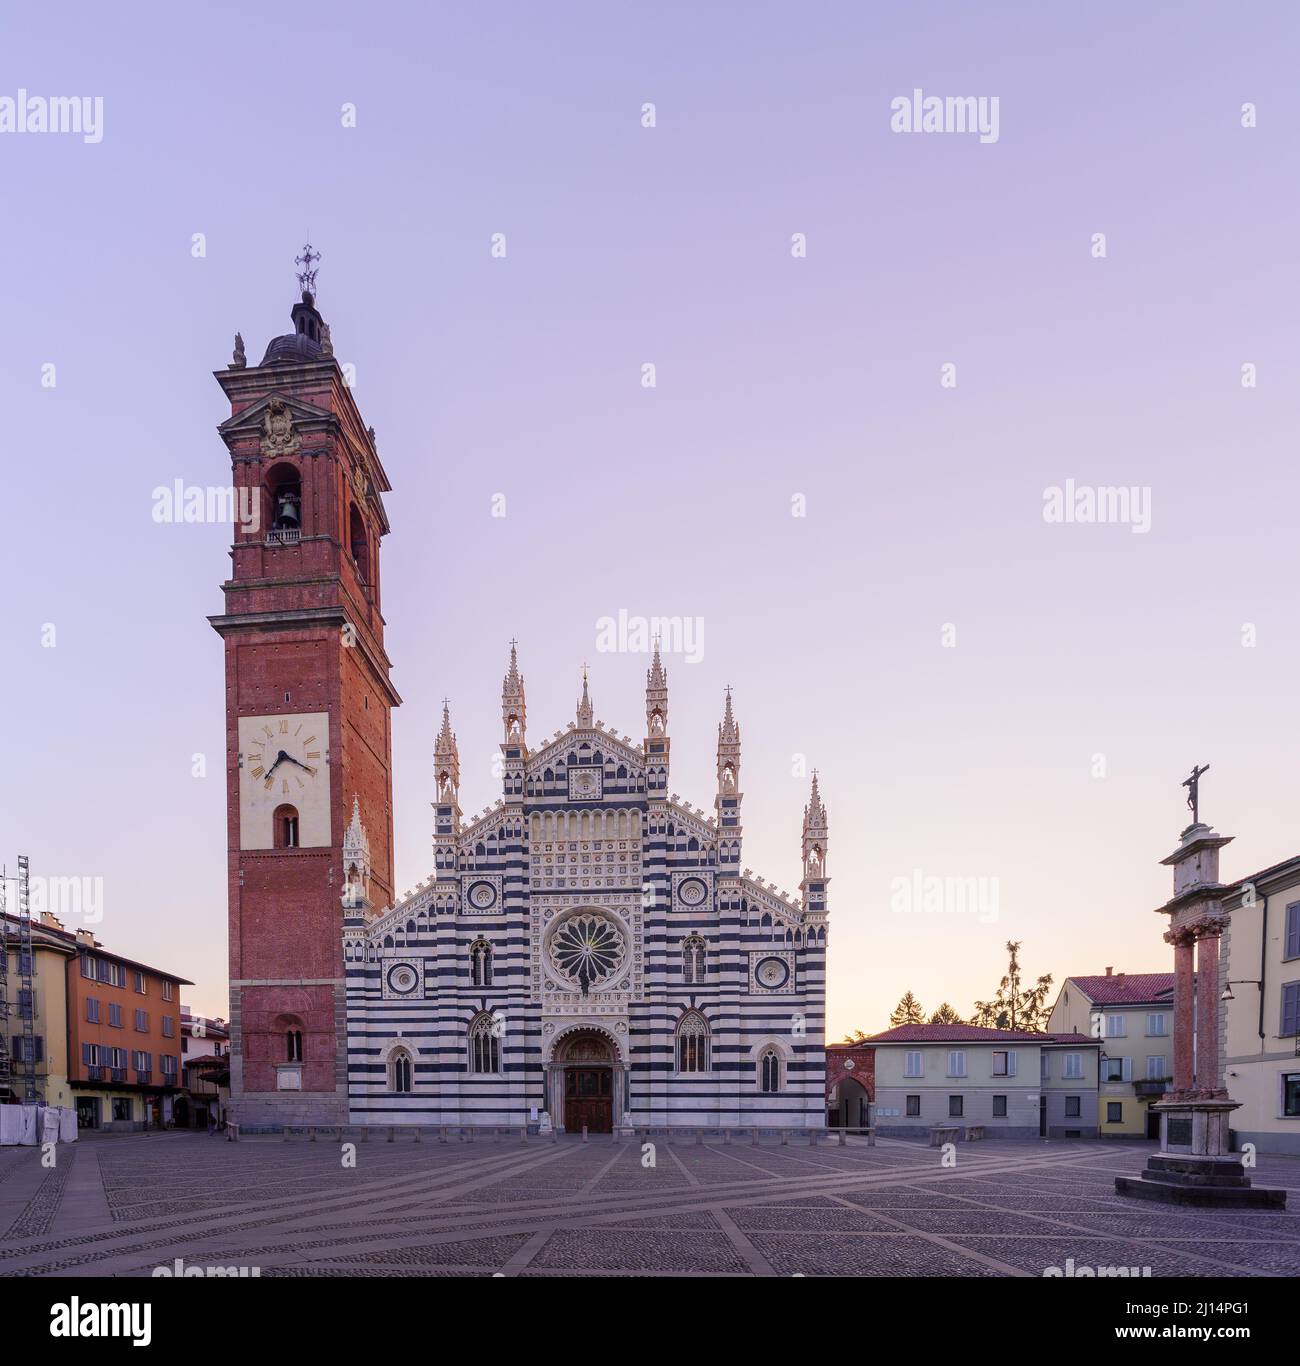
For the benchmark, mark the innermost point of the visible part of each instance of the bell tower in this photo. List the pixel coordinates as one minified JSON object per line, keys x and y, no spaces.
{"x":308,"y":715}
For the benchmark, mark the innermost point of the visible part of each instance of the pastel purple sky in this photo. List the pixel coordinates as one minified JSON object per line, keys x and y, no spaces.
{"x":776,"y":377}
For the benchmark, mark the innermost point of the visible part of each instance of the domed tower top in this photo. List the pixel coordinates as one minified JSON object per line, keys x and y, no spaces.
{"x":310,"y":338}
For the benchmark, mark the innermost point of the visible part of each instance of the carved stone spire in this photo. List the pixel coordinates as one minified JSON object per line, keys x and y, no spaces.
{"x":356,"y":862}
{"x":446,"y":759}
{"x":815,"y":832}
{"x":585,"y":710}
{"x":657,"y":745}
{"x":656,"y":696}
{"x":728,"y":750}
{"x":726,"y":802}
{"x":513,"y":716}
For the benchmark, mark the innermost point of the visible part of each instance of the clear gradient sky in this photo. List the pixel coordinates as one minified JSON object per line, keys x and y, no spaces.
{"x":776,"y":376}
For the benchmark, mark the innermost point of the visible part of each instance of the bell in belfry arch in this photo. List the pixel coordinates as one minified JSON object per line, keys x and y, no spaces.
{"x":286,"y":509}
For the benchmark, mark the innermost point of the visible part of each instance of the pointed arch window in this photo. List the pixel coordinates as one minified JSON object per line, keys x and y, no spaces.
{"x":693,"y":1043}
{"x":484,"y":1045}
{"x":694,"y":963}
{"x":400,"y":1072}
{"x":480,"y":963}
{"x":769,"y":1071}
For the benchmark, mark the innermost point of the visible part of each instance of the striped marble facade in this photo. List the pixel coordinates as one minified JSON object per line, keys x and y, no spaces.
{"x":590,"y":949}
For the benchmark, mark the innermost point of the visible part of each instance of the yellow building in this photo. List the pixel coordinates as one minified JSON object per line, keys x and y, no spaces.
{"x":1132,"y":1016}
{"x":52,"y":946}
{"x":1259,"y":968}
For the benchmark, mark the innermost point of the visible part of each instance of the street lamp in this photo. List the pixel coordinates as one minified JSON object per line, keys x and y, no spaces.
{"x":1238,"y":982}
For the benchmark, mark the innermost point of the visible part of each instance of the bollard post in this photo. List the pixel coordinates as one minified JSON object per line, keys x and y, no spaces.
{"x":812,"y":1138}
{"x":584,"y":1133}
{"x":286,"y":1133}
{"x":726,"y":1135}
{"x":442,"y":1133}
{"x":785,"y":1138}
{"x":699,"y":1136}
{"x":753,"y":1138}
{"x":871,"y":1138}
{"x":418,"y":1137}
{"x":843,"y":1137}
{"x":523,"y":1134}
{"x":311,"y":1134}
{"x":391,"y":1133}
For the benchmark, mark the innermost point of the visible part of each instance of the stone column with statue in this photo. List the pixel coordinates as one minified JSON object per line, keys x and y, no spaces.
{"x":1195,"y":1164}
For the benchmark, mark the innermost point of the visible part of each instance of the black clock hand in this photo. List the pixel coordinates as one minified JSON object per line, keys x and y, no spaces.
{"x":279,"y":759}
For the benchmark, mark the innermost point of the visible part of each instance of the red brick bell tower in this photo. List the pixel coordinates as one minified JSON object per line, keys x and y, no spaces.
{"x":308,"y":713}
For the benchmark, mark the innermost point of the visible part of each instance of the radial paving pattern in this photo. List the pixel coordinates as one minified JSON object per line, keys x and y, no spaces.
{"x":122,"y":1206}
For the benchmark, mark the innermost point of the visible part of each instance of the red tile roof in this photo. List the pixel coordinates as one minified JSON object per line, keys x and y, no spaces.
{"x":952,"y":1033}
{"x":1126,"y":988}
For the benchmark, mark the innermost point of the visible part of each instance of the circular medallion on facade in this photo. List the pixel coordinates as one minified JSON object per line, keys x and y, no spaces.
{"x":587,"y":949}
{"x":772,"y":972}
{"x":692,"y":891}
{"x":849,"y":1064}
{"x":482,"y":896}
{"x":402,"y":978}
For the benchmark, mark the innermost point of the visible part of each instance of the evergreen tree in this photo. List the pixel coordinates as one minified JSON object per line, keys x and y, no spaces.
{"x":1015,"y":1007}
{"x":945,"y":1015}
{"x":908,"y":1011}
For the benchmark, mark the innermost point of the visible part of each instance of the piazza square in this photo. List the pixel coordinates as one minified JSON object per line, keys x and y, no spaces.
{"x":502,"y":1205}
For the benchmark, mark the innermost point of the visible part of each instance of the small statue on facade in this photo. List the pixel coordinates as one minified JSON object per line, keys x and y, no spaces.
{"x":238,"y":361}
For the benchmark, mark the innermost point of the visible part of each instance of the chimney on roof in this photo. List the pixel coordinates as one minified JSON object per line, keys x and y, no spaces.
{"x":51,"y":920}
{"x":1109,"y":971}
{"x":85,"y":937}
{"x":1119,"y":976}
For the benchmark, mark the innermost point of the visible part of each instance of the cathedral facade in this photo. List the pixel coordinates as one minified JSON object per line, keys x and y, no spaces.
{"x":589,"y":952}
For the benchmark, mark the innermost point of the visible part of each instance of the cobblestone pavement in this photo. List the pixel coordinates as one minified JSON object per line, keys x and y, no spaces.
{"x":122,"y":1206}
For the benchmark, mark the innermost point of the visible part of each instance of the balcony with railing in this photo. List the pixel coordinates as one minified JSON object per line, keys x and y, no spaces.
{"x":283,"y":536}
{"x":1152,"y":1086}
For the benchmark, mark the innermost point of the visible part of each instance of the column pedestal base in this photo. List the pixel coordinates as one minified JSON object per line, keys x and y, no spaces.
{"x":1194,"y":1165}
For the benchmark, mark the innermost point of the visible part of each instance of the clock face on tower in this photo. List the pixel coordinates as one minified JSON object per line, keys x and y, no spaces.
{"x":283,"y":773}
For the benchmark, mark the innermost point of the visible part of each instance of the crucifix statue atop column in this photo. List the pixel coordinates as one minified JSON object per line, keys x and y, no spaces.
{"x":1196,"y":1164}
{"x":1192,"y":785}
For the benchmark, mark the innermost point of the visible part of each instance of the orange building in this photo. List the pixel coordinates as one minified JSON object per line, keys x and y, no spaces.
{"x":124,"y":1039}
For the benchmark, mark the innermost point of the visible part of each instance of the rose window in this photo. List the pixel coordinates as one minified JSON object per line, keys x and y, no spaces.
{"x":587,"y":950}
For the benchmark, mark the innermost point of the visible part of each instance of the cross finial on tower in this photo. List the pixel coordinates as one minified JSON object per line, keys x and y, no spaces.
{"x":307,"y":264}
